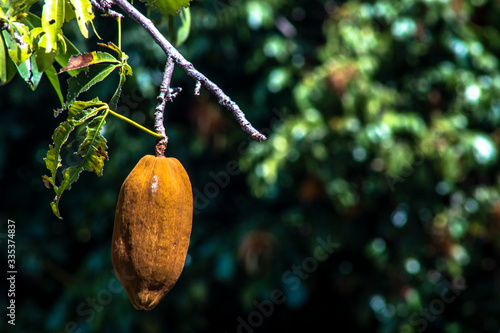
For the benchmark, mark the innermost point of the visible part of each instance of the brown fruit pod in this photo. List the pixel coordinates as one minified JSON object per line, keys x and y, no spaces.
{"x":152,"y":228}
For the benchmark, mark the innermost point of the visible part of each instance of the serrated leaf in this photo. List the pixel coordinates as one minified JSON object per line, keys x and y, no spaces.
{"x":47,"y":181}
{"x":81,"y":111}
{"x":167,"y":7}
{"x":92,"y":150}
{"x":78,"y":113}
{"x":85,"y":80}
{"x":113,"y":103}
{"x":84,"y":14}
{"x":60,"y":136}
{"x":93,"y":153}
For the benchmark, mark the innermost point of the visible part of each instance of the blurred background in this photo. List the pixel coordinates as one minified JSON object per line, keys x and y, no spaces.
{"x":373,"y":205}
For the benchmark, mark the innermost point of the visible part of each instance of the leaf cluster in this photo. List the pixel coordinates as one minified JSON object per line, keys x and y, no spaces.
{"x":88,"y":114}
{"x":29,"y":45}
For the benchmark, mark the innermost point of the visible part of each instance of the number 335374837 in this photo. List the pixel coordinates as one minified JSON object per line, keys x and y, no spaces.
{"x":11,"y":244}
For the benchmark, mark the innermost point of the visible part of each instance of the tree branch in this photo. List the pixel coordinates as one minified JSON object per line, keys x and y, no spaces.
{"x":179,"y":60}
{"x":105,"y":7}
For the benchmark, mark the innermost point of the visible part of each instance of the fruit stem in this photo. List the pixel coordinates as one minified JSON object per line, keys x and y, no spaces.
{"x":156,"y":135}
{"x":119,"y":32}
{"x":160,"y":147}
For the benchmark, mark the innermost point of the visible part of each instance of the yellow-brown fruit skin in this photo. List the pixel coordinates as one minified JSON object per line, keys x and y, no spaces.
{"x":152,"y":228}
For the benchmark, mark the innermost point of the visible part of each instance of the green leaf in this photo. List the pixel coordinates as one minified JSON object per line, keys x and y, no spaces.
{"x":60,"y":136}
{"x":121,"y":55}
{"x":96,"y":73}
{"x":30,"y":72}
{"x":69,"y":12}
{"x":125,"y":70}
{"x":85,"y":80}
{"x":20,"y":6}
{"x":81,"y":111}
{"x":77,"y":115}
{"x":54,"y":80}
{"x":93,"y":153}
{"x":100,"y":57}
{"x":84,"y":14}
{"x":34,"y":21}
{"x":7,"y":66}
{"x":52,"y":22}
{"x":3,"y":62}
{"x":167,"y":7}
{"x":18,"y":52}
{"x":92,"y":150}
{"x":116,"y":96}
{"x":184,"y":28}
{"x":44,"y":59}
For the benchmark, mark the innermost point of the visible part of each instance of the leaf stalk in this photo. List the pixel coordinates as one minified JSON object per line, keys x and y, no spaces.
{"x":130,"y":121}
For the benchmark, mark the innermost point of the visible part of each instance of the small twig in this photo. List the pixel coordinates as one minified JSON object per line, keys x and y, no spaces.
{"x":105,"y":7}
{"x":197,"y":88}
{"x":174,"y":92}
{"x":188,"y":67}
{"x":166,"y":94}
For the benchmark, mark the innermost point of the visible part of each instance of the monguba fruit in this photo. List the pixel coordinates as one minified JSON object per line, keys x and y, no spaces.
{"x":152,"y":228}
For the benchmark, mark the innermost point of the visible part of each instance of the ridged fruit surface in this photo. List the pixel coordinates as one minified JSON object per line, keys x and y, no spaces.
{"x":152,"y":228}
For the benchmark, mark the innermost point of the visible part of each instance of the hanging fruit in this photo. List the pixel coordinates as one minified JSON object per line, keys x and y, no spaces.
{"x":152,"y":229}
